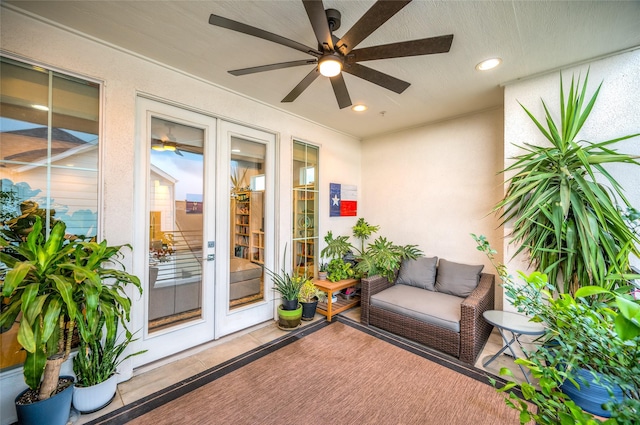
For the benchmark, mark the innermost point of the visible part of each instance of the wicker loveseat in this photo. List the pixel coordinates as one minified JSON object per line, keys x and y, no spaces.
{"x":432,"y":316}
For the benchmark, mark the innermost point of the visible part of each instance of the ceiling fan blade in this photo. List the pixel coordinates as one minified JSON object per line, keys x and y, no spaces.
{"x":271,"y":67}
{"x":377,"y":15}
{"x":257,"y":32}
{"x":425,"y":46}
{"x":377,"y":77}
{"x":340,"y":90}
{"x":302,"y":85}
{"x":318,"y":18}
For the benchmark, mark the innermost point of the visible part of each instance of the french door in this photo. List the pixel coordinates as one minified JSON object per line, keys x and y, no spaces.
{"x":205,"y":206}
{"x":247,"y":227}
{"x":175,"y":198}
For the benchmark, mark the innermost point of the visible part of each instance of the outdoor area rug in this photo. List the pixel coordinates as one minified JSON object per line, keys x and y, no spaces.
{"x":340,"y":373}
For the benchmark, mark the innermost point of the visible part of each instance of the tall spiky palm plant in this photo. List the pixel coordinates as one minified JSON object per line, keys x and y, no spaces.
{"x":566,"y":221}
{"x":563,"y":218}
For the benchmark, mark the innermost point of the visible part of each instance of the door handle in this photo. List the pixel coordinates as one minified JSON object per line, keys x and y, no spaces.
{"x":210,"y":257}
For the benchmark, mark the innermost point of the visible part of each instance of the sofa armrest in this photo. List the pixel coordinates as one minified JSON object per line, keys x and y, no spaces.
{"x":370,"y":286}
{"x":474,"y":330}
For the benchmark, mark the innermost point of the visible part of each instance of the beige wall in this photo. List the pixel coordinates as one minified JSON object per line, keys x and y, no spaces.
{"x":616,"y":113}
{"x":434,"y":185}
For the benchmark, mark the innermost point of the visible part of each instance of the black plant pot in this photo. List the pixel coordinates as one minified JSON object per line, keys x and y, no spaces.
{"x":309,"y":310}
{"x":52,"y":411}
{"x":289,"y":304}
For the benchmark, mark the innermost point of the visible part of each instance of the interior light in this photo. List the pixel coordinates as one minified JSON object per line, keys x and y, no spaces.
{"x":236,"y":150}
{"x":488,"y":64}
{"x":330,"y":66}
{"x":40,"y":107}
{"x":170,"y":148}
{"x":359,"y":108}
{"x":157,"y":147}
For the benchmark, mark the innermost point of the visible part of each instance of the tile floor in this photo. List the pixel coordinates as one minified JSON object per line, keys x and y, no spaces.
{"x":151,"y":378}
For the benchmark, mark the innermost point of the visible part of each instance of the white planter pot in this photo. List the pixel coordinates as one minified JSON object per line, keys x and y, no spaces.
{"x":91,"y":399}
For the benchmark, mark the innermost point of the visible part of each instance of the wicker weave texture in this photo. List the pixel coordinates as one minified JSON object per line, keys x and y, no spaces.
{"x":466,"y":345}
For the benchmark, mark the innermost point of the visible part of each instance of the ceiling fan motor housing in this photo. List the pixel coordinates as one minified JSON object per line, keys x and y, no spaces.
{"x":334,"y":19}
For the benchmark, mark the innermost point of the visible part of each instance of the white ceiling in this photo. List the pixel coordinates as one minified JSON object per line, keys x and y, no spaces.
{"x":531,"y":37}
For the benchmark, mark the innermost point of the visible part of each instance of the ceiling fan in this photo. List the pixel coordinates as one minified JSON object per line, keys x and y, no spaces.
{"x":334,"y":56}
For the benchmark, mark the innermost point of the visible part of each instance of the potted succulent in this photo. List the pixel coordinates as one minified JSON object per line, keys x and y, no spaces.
{"x":322,"y":271}
{"x":562,"y":204}
{"x":95,"y":365}
{"x":51,"y":285}
{"x":309,"y":296}
{"x":288,"y":285}
{"x":591,"y":343}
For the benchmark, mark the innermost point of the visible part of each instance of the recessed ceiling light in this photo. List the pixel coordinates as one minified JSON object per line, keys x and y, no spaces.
{"x":359,"y":108}
{"x":40,"y":107}
{"x":488,"y":64}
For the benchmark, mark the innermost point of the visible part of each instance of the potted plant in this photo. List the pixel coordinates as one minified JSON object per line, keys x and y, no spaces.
{"x":383,"y":257}
{"x":363,"y":231}
{"x":96,"y":364}
{"x":591,"y":341}
{"x":337,"y":270}
{"x":51,"y":285}
{"x":288,"y":285}
{"x":309,"y":296}
{"x":322,"y":271}
{"x":563,"y":216}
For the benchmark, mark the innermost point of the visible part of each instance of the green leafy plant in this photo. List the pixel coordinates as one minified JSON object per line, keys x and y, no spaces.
{"x":55,"y":283}
{"x":363,"y":231}
{"x":563,"y":218}
{"x":336,"y":247}
{"x":596,"y":329}
{"x":97,"y":360}
{"x":309,"y":293}
{"x":383,"y":257}
{"x":339,"y":270}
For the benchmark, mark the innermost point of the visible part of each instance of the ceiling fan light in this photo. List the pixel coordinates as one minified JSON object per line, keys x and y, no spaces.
{"x":488,"y":64}
{"x":359,"y":108}
{"x":330,"y":66}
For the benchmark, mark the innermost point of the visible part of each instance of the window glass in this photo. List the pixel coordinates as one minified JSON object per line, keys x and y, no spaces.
{"x":305,"y":208}
{"x":48,"y":156}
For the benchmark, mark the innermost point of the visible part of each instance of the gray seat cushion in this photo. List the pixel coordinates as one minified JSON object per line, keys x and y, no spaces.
{"x":435,"y":308}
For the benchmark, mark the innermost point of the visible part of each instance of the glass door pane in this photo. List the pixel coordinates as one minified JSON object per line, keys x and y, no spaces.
{"x":176,"y":199}
{"x":247,"y":194}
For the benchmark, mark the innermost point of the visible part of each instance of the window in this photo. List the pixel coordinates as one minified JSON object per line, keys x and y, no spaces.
{"x":48,"y":154}
{"x":305,"y":208}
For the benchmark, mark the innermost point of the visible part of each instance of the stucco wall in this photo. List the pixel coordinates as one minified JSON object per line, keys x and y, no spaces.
{"x":616,"y":113}
{"x":435,"y":185}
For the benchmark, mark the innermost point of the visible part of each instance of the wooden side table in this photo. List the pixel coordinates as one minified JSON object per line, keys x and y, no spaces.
{"x":330,"y":308}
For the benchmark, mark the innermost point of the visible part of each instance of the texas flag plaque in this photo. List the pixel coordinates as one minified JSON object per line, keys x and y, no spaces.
{"x":344,"y":200}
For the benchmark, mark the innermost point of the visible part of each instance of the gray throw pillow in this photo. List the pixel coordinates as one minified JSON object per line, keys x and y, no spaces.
{"x":420,"y":272}
{"x":457,"y":279}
